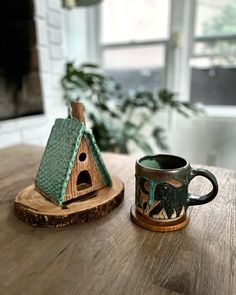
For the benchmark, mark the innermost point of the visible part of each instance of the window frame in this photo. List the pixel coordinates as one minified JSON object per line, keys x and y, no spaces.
{"x":217,"y":111}
{"x":118,"y":45}
{"x":178,"y":52}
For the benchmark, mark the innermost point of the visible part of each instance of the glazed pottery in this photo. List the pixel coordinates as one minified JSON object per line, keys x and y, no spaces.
{"x":161,"y":194}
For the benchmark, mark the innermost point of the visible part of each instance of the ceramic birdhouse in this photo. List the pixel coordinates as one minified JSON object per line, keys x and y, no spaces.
{"x":72,"y":184}
{"x":72,"y":166}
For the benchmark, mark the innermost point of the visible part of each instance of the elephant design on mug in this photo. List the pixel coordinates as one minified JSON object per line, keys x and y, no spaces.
{"x":161,"y":199}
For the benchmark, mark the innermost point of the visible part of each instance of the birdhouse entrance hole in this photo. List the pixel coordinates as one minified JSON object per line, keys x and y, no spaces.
{"x":82,"y":157}
{"x":84,"y":180}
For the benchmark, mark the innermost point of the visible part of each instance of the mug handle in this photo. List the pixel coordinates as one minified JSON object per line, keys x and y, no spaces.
{"x":199,"y":200}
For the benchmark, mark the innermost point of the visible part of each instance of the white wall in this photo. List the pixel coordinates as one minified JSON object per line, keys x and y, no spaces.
{"x":35,"y":129}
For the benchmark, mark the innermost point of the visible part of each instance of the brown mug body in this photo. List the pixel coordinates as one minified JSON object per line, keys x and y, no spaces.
{"x":162,"y":182}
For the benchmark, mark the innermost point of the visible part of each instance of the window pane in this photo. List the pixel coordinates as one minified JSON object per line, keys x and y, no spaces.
{"x":139,"y":57}
{"x":215,"y":17}
{"x":213,"y":64}
{"x":134,"y":20}
{"x":137,"y":67}
{"x":213,"y":86}
{"x":148,"y":79}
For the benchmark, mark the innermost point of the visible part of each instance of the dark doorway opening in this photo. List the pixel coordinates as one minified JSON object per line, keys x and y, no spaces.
{"x":84,"y":180}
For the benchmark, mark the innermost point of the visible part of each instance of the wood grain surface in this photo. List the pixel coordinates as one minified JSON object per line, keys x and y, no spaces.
{"x":35,"y":209}
{"x":112,"y":255}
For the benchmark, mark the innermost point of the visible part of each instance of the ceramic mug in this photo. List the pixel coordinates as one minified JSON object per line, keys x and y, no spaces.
{"x":162,"y":187}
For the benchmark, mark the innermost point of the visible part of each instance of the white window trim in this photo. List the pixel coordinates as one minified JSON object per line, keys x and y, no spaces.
{"x":180,"y":47}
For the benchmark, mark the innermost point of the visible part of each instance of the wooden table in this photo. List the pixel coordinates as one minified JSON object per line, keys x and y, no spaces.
{"x":112,"y":255}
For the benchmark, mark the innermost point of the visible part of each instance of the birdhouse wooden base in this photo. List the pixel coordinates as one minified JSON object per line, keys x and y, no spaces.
{"x":164,"y":226}
{"x":35,"y":209}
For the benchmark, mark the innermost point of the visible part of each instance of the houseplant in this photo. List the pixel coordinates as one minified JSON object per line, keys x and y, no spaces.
{"x":124,"y":114}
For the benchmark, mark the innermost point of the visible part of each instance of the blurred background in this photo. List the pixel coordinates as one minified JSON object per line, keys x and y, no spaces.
{"x":155,"y":76}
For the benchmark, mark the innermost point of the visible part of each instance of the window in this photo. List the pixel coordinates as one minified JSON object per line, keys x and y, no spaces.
{"x":134,"y":34}
{"x":213,"y":60}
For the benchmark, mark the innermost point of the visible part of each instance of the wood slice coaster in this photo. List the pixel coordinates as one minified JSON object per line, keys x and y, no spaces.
{"x":164,"y":226}
{"x":35,"y":209}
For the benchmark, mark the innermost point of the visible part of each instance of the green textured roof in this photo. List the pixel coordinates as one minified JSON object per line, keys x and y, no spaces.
{"x":59,"y":157}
